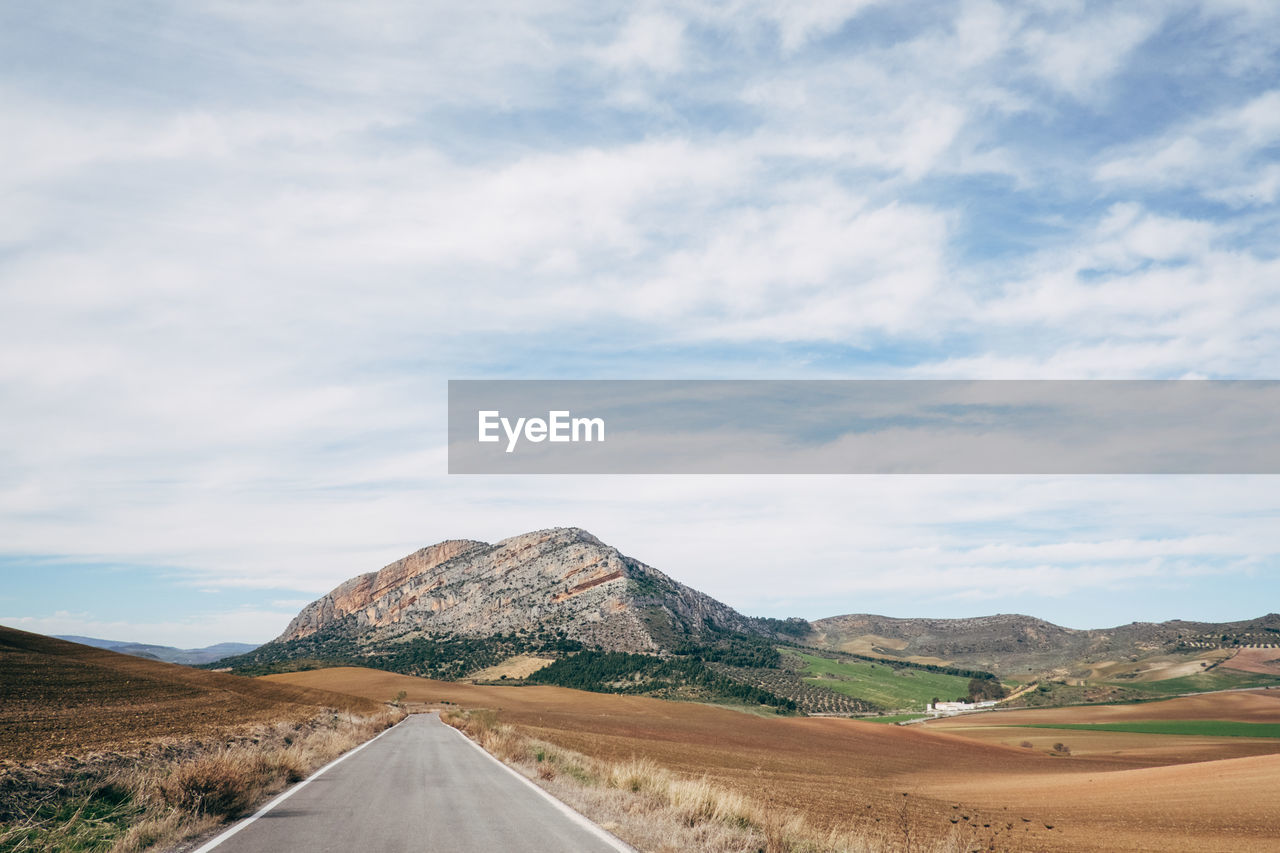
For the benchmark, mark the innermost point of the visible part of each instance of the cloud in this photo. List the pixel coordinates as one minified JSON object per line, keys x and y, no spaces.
{"x":652,"y":41}
{"x":1078,"y":57}
{"x":1226,"y":156}
{"x":797,"y":22}
{"x":204,"y":629}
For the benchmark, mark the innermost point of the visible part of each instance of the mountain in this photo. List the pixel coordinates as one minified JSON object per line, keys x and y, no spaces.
{"x":460,"y":606}
{"x":564,"y":581}
{"x":168,"y":654}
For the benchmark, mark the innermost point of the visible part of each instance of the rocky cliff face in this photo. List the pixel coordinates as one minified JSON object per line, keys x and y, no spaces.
{"x":562,"y":579}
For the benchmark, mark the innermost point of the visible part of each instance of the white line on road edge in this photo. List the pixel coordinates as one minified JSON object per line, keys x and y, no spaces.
{"x":582,"y":821}
{"x":218,"y":839}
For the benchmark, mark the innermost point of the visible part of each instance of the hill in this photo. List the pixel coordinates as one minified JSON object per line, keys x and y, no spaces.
{"x":601,"y":620}
{"x":461,"y":606}
{"x":169,"y":654}
{"x":59,"y":697}
{"x":1013,"y":645}
{"x":562,"y":581}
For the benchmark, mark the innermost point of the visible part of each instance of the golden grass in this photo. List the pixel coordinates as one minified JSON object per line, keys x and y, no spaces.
{"x":157,"y":801}
{"x":518,"y":667}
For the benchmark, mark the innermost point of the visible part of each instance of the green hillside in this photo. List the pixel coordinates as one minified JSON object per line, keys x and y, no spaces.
{"x":882,"y":684}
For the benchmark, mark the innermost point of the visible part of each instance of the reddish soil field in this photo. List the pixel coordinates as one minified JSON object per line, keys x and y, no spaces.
{"x":59,"y":698}
{"x":1252,"y":706}
{"x":1217,"y":805}
{"x":1266,"y":661}
{"x":850,"y":774}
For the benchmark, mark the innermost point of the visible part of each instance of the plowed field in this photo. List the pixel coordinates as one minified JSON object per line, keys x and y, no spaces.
{"x":60,"y":698}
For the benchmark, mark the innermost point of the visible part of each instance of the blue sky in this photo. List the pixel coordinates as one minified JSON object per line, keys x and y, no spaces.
{"x":244,"y":245}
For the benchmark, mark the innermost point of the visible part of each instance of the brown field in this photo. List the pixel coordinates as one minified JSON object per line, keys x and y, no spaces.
{"x":1156,"y":668}
{"x":1002,"y":728}
{"x":59,"y":698}
{"x":849,"y":774}
{"x":877,"y":646}
{"x":1251,"y":706}
{"x":1266,"y":661}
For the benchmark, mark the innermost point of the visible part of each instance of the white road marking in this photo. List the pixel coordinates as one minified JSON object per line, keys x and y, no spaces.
{"x":218,"y":839}
{"x":605,"y":836}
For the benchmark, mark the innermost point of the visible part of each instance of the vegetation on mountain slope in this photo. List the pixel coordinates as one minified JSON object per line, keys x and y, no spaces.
{"x":443,"y":657}
{"x":668,"y":678}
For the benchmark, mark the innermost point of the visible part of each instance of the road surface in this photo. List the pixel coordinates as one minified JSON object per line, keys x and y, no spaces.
{"x":419,"y":787}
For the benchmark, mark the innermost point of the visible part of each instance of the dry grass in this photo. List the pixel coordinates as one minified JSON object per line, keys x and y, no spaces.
{"x":161,"y":798}
{"x":520,"y":666}
{"x":657,"y":810}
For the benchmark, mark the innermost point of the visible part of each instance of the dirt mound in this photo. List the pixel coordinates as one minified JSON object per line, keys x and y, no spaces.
{"x":61,"y":698}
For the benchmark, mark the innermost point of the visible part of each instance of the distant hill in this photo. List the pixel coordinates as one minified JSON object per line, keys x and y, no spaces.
{"x":1013,"y":644}
{"x":61,"y":697}
{"x":169,"y":654}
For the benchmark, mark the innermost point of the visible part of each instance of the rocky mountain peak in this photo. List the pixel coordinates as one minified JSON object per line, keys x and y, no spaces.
{"x":563,"y":580}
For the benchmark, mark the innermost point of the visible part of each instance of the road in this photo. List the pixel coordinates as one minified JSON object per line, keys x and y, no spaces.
{"x":419,"y":787}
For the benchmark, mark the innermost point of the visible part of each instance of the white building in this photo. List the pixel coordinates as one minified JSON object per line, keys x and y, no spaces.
{"x":957,"y":707}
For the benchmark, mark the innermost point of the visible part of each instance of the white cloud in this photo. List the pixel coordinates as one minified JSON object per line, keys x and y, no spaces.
{"x":654,"y":41}
{"x":243,"y":625}
{"x":1079,"y":57}
{"x":1222,"y":156}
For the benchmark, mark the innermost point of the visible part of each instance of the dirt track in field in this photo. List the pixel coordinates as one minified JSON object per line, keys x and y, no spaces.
{"x":850,"y":774}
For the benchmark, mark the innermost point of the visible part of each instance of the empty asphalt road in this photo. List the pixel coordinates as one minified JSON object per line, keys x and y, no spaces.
{"x":419,"y":787}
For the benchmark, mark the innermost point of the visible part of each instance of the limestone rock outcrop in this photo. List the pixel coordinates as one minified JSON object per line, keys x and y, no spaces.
{"x":562,"y":580}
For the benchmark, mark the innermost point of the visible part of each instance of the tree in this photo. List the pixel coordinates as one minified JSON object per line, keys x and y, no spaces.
{"x":985,"y":689}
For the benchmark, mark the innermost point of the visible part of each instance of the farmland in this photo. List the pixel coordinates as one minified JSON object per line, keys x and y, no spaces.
{"x":1201,"y":682}
{"x":848,"y":774}
{"x":100,"y":750}
{"x":58,"y":697}
{"x":1207,"y":728}
{"x":882,"y":684}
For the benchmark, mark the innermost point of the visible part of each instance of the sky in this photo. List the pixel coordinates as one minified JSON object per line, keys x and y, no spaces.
{"x":243,"y":247}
